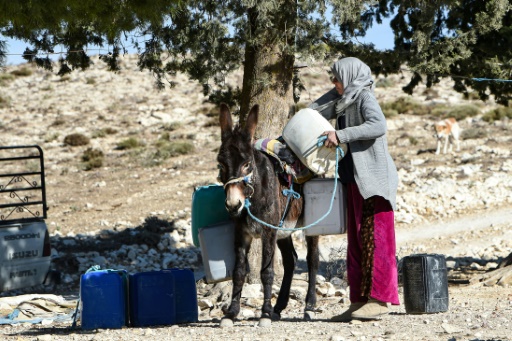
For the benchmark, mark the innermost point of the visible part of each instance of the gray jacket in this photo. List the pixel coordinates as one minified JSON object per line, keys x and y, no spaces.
{"x":374,"y":170}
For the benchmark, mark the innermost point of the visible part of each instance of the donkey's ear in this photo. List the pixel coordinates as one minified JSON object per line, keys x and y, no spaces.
{"x":226,"y":123}
{"x":252,"y":120}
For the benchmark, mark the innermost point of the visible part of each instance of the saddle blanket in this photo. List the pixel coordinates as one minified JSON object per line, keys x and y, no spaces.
{"x":284,"y":159}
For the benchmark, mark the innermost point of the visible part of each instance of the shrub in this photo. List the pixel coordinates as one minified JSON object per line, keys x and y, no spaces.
{"x":405,"y":105}
{"x":104,"y":132}
{"x":497,"y":114}
{"x":336,"y":265}
{"x":5,"y":78}
{"x":22,"y":72}
{"x":93,"y":158}
{"x":172,"y":126}
{"x":384,"y":83}
{"x":212,"y":122}
{"x":58,"y":122}
{"x":473,"y":133}
{"x":76,"y":140}
{"x":388,"y":113}
{"x":129,"y":143}
{"x":168,"y":149}
{"x":460,"y":112}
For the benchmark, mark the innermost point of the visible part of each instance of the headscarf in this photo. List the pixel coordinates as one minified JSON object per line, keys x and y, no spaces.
{"x":355,"y":76}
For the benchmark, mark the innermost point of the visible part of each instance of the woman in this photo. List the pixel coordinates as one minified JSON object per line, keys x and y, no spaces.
{"x":371,"y":181}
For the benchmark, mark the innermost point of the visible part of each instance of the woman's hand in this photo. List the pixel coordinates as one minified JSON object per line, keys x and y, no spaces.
{"x":332,"y":139}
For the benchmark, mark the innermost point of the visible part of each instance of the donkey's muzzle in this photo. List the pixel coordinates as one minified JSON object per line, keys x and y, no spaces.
{"x":234,"y":209}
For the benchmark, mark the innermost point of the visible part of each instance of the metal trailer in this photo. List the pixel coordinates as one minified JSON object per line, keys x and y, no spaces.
{"x":25,"y":249}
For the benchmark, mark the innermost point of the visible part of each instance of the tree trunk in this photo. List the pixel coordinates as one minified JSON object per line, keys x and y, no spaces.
{"x":267,"y":81}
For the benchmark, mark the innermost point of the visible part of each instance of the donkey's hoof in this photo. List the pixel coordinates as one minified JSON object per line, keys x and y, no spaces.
{"x":276,"y":316}
{"x":226,"y":323}
{"x":309,"y":315}
{"x":265,"y":322}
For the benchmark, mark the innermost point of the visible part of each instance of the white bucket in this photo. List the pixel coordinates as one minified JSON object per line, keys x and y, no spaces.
{"x":301,"y":134}
{"x":217,"y":244}
{"x":317,"y":200}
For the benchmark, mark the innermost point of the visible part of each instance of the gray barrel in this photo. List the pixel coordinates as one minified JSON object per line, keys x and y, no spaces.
{"x":425,"y":284}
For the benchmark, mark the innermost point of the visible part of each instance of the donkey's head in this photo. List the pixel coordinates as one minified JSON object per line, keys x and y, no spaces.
{"x":236,"y":159}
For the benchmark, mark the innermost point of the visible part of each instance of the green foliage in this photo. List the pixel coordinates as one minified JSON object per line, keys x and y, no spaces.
{"x":404,"y":105}
{"x":464,"y":40}
{"x":22,"y":72}
{"x":104,"y":132}
{"x":129,"y":143}
{"x":384,"y":83}
{"x":167,"y":149}
{"x":5,"y":78}
{"x":172,"y":126}
{"x":497,"y":114}
{"x":473,"y":133}
{"x":93,"y":158}
{"x":76,"y":139}
{"x":459,"y":112}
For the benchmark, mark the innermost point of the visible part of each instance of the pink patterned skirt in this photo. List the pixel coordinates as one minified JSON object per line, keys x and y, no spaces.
{"x":371,"y":252}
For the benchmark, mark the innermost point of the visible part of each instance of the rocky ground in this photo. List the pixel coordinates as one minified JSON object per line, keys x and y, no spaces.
{"x":133,"y":212}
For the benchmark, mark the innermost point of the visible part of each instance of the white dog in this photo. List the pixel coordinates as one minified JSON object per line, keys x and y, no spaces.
{"x":449,"y":130}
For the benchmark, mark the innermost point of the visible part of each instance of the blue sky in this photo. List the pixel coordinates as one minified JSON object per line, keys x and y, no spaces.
{"x":381,"y":36}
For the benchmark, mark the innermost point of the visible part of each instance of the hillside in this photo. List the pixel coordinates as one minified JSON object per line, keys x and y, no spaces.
{"x":122,"y":200}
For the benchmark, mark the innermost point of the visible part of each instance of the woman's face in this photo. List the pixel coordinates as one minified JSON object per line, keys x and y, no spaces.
{"x":337,"y":85}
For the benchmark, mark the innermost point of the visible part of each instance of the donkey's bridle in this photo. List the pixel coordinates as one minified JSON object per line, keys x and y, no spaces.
{"x":246,"y":179}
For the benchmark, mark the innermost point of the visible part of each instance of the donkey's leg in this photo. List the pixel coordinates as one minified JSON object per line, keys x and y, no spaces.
{"x":268,"y":245}
{"x":313,"y":262}
{"x":289,"y":261}
{"x":242,"y":246}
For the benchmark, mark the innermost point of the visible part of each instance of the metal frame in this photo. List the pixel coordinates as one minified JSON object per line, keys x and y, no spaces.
{"x":24,"y":204}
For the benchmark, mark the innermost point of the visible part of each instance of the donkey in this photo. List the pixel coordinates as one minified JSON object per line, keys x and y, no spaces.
{"x":249,"y":174}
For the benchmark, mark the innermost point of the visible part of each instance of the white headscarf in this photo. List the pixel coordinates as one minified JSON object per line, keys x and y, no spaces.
{"x":355,"y":76}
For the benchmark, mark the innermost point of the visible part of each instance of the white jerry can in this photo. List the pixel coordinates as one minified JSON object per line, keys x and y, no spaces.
{"x":301,"y":134}
{"x":217,"y":244}
{"x":317,"y":200}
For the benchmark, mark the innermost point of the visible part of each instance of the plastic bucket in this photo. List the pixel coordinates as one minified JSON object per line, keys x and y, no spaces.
{"x":425,"y":283}
{"x":301,"y":134}
{"x":103,"y":296}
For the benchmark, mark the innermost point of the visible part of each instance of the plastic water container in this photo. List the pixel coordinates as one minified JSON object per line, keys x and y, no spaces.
{"x":218,"y":251}
{"x":301,"y":134}
{"x":152,"y":298}
{"x":185,"y":295}
{"x":317,"y":200}
{"x":208,"y":208}
{"x":103,"y":296}
{"x":425,"y":283}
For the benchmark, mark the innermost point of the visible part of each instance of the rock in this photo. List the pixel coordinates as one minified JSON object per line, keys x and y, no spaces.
{"x":252,"y":291}
{"x":450,"y":329}
{"x":204,"y":303}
